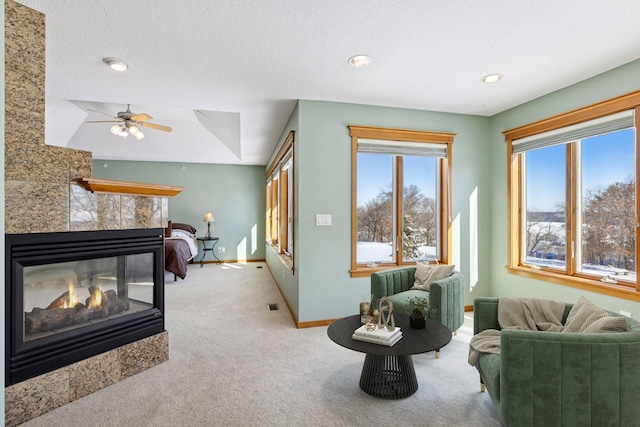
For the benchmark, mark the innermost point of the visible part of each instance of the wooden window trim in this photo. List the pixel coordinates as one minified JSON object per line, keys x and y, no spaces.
{"x":268,"y":211}
{"x":514,"y":198}
{"x":277,"y":207}
{"x":284,"y":210}
{"x":445,"y":220}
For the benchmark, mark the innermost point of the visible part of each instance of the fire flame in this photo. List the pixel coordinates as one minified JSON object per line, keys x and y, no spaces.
{"x":72,"y":297}
{"x":95,"y":301}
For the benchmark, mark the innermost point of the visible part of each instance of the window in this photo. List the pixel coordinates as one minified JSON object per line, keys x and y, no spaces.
{"x":279,"y":202}
{"x":400,"y":197}
{"x":573,"y":198}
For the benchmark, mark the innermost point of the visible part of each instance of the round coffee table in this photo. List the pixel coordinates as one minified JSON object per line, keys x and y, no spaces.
{"x":388,"y":372}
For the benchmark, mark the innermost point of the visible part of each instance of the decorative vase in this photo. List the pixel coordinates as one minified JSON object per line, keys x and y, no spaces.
{"x":417,"y":320}
{"x":365,"y":311}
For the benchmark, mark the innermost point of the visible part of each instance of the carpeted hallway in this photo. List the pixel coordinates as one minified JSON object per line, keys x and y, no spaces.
{"x":234,"y":362}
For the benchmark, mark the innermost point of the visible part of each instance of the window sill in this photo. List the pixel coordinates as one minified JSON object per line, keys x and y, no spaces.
{"x":366,"y":271}
{"x":615,"y":290}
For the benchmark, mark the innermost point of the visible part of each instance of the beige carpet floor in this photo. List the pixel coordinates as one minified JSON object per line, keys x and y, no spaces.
{"x":234,"y":362}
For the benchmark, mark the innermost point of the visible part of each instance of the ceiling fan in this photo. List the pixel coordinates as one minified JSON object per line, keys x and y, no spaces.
{"x":129,"y":123}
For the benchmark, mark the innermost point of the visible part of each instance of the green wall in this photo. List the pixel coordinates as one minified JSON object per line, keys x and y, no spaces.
{"x":234,"y":194}
{"x":323,"y":185}
{"x":613,"y":83}
{"x":288,"y":281}
{"x":322,"y":288}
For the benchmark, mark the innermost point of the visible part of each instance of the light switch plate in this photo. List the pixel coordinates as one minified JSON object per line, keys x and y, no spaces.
{"x":323,"y":220}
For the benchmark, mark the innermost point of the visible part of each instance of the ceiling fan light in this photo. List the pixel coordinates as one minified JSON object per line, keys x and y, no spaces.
{"x":123,"y":134}
{"x":139,"y":135}
{"x":115,"y":129}
{"x":133,"y":129}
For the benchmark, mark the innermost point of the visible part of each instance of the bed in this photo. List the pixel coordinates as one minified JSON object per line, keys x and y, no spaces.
{"x":180,"y":246}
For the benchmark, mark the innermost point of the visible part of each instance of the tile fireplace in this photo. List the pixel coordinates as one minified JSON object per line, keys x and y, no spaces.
{"x":74,"y":295}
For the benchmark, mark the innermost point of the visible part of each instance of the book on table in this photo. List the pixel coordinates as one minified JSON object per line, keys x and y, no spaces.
{"x":388,"y":343}
{"x":378,"y":333}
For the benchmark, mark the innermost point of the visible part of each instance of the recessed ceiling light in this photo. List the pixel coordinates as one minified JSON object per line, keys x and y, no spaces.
{"x":360,"y":61}
{"x":491,"y":78}
{"x":115,"y":64}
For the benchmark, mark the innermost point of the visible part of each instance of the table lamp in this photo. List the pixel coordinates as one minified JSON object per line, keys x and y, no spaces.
{"x":208,"y":218}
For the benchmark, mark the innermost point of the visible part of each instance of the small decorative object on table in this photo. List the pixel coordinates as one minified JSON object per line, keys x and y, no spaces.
{"x":375,"y":316}
{"x":417,"y":319}
{"x":365,"y":309}
{"x":386,"y":319}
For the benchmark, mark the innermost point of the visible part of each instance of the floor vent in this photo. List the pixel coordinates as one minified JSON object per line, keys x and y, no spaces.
{"x":273,"y":306}
{"x":259,"y":266}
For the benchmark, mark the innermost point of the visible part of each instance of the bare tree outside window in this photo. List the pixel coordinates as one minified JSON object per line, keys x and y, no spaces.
{"x":609,"y":226}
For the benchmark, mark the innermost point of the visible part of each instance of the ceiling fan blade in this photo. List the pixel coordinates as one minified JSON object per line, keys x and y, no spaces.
{"x":100,"y":112}
{"x":141,"y":117}
{"x":155,"y":126}
{"x":103,"y":121}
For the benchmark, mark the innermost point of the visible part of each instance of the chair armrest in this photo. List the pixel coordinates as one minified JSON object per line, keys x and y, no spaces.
{"x":446,"y":300}
{"x":555,"y":378}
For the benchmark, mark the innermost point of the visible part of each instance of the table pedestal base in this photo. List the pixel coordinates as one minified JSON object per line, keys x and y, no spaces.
{"x":388,"y":377}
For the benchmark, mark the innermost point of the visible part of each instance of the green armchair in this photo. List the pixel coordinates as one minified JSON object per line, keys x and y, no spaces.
{"x":559,"y":378}
{"x":446,"y":296}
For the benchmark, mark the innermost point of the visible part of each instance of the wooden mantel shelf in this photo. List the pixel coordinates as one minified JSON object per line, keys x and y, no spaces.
{"x":125,"y":187}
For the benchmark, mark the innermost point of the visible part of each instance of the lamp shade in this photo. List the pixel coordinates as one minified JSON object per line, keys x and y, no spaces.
{"x":208,"y":217}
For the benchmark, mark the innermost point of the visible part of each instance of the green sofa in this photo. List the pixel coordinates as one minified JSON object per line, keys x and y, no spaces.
{"x":446,"y":296}
{"x":558,"y":378}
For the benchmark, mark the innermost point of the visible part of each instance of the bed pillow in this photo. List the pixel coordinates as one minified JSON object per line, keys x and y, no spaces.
{"x":586,"y":317}
{"x":182,"y":233}
{"x":182,"y":226}
{"x":167,"y":231}
{"x":428,"y":273}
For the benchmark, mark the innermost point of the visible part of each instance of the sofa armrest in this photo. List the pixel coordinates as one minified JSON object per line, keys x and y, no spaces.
{"x":558,"y":379}
{"x":485,"y":314}
{"x":446,"y":300}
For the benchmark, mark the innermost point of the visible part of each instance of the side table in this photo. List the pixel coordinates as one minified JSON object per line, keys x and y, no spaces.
{"x":388,"y":372}
{"x":206,"y":249}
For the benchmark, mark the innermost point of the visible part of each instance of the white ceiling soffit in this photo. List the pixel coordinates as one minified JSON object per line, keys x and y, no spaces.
{"x":225,"y":126}
{"x":255,"y":58}
{"x":156,"y":145}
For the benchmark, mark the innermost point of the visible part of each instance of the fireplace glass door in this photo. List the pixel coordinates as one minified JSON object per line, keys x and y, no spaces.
{"x":67,"y":295}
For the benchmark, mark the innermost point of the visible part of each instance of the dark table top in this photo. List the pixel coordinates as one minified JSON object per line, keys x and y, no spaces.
{"x":413,"y":341}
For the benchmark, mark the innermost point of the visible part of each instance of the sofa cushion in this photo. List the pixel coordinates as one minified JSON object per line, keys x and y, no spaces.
{"x":428,"y":273}
{"x":587,"y":317}
{"x":401,"y":300}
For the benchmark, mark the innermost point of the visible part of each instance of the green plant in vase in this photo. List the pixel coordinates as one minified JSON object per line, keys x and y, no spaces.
{"x":417,"y":318}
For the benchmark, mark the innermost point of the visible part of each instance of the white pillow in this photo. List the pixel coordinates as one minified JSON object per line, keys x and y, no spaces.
{"x":181,"y":233}
{"x":428,"y":273}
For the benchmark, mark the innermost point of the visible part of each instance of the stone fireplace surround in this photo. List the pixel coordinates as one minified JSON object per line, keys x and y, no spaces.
{"x":42,"y":182}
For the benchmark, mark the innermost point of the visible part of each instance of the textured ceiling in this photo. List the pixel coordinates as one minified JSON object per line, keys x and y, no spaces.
{"x":244,"y":63}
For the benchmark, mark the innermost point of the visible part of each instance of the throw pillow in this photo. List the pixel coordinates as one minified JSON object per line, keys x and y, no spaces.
{"x":167,"y":231}
{"x":586,"y":317}
{"x":422,"y":273}
{"x":427,"y":273}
